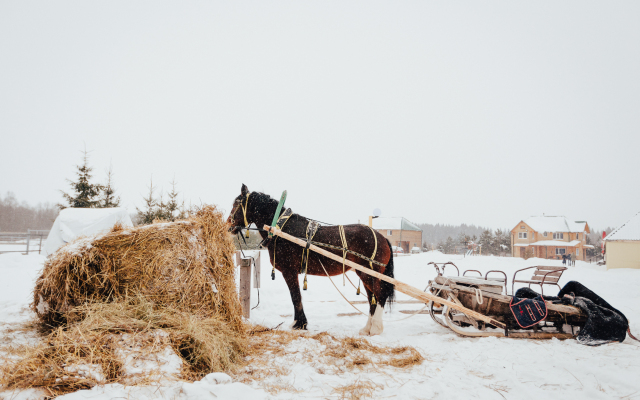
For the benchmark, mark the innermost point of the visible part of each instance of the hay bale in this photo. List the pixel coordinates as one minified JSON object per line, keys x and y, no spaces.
{"x":185,"y":265}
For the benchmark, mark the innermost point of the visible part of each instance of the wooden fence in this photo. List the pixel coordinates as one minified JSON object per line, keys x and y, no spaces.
{"x":19,"y":242}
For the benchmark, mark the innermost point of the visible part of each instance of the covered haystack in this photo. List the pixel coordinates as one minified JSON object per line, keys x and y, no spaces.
{"x":185,"y":265}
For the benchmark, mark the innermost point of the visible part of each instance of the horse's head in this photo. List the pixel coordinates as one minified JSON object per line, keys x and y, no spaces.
{"x":237,"y":218}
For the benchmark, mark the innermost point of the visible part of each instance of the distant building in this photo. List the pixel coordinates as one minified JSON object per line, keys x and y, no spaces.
{"x":622,"y":246}
{"x":400,"y":232}
{"x":550,"y":237}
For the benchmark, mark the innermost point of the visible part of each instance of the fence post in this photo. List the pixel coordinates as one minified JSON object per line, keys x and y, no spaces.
{"x":28,"y":241}
{"x":256,"y":271}
{"x":245,"y":283}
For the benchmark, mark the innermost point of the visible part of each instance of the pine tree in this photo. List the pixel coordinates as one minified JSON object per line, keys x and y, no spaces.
{"x":174,"y":210}
{"x":449,"y":246}
{"x":487,"y":242}
{"x":108,"y":199}
{"x":84,"y":193}
{"x":149,"y":213}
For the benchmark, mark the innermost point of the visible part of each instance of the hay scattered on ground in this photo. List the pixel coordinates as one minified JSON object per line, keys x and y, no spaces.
{"x":358,"y":390}
{"x":327,"y":353}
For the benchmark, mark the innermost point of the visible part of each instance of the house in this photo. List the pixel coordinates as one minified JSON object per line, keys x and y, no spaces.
{"x":622,"y":245}
{"x":550,"y":237}
{"x":399,"y":231}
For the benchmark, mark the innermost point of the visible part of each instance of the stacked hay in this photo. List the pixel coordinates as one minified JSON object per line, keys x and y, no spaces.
{"x":185,"y":265}
{"x":169,"y":283}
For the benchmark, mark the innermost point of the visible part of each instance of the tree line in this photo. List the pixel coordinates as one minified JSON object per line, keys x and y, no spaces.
{"x":18,"y":216}
{"x":496,"y":242}
{"x":85,"y":192}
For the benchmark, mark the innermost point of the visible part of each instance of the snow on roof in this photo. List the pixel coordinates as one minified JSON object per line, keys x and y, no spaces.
{"x":630,"y":230}
{"x":396,"y":223}
{"x":555,"y":224}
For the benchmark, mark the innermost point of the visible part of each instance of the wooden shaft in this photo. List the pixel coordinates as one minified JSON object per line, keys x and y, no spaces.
{"x":400,"y":286}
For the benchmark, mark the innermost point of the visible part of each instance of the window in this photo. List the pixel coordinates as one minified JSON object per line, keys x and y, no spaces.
{"x":522,"y":235}
{"x":521,"y":226}
{"x":545,"y":234}
{"x":560,"y":251}
{"x":389,"y":232}
{"x":558,"y":235}
{"x":577,"y":236}
{"x":577,"y":252}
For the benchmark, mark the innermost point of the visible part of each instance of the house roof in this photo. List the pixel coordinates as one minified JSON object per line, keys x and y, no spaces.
{"x":395,"y":223}
{"x":555,"y":224}
{"x":630,"y":230}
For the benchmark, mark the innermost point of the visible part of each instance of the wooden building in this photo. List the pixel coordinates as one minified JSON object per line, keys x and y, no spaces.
{"x":622,"y":246}
{"x":550,"y":237}
{"x":400,"y":232}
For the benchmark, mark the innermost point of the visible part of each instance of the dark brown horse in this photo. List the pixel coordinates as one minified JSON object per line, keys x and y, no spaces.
{"x":286,"y":257}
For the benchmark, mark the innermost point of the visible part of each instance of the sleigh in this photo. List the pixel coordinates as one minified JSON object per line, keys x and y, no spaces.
{"x":485,"y":296}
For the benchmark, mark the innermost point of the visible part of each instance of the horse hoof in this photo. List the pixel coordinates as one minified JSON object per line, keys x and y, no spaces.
{"x":366,"y":331}
{"x":299,"y":326}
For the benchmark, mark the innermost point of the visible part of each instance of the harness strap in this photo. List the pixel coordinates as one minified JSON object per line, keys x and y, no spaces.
{"x":312,"y":228}
{"x":375,"y":249}
{"x":284,"y":218}
{"x":343,"y":239}
{"x":244,"y":212}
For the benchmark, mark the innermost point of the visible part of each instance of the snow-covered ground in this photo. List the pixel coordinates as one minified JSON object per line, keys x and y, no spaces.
{"x":454,"y":367}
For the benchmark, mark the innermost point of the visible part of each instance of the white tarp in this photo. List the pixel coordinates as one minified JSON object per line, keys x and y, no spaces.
{"x":74,"y":222}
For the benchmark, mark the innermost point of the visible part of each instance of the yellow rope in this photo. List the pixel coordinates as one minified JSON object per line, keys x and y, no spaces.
{"x":244,"y":213}
{"x":334,"y":285}
{"x":375,"y":249}
{"x":343,"y":239}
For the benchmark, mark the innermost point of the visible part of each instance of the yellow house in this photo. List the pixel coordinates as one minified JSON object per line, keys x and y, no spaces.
{"x":400,"y":232}
{"x":622,"y":246}
{"x":550,"y":237}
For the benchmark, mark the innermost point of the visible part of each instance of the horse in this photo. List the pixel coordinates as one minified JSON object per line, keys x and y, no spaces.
{"x":371,"y":249}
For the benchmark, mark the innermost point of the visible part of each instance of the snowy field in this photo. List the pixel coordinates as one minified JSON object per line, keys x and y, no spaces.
{"x":454,"y":367}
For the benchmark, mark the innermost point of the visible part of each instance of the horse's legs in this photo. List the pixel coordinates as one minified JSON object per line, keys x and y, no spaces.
{"x":377,"y":310}
{"x":374,"y":324}
{"x":366,"y":331}
{"x":299,"y":319}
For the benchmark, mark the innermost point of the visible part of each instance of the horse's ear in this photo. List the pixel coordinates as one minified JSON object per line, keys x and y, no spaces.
{"x":244,"y":189}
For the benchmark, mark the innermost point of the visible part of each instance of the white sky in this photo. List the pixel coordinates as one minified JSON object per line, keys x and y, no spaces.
{"x":441,"y":112}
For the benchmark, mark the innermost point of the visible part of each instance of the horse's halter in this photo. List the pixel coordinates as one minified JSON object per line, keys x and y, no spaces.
{"x":244,"y":207}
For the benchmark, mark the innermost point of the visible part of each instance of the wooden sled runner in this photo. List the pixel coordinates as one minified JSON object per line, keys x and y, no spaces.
{"x":456,"y":300}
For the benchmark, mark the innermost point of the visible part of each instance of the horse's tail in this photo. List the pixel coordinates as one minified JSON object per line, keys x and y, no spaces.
{"x":388,"y":289}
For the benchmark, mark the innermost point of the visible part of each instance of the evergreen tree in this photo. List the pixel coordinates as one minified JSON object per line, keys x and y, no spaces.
{"x":449,"y":246}
{"x":84,"y":193}
{"x":487,"y":242}
{"x":158,"y":209}
{"x":109,"y":200}
{"x":149,"y":213}
{"x":463,"y":239}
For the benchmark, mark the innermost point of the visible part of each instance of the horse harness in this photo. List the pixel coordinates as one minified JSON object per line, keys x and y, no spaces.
{"x":312,"y":229}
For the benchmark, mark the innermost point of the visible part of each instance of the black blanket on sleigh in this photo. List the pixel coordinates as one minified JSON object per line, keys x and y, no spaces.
{"x":604,"y":323}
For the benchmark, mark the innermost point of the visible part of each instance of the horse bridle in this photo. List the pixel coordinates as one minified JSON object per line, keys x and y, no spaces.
{"x":244,"y":210}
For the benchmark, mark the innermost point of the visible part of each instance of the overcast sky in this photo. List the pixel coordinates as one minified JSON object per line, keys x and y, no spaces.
{"x":442,"y":112}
